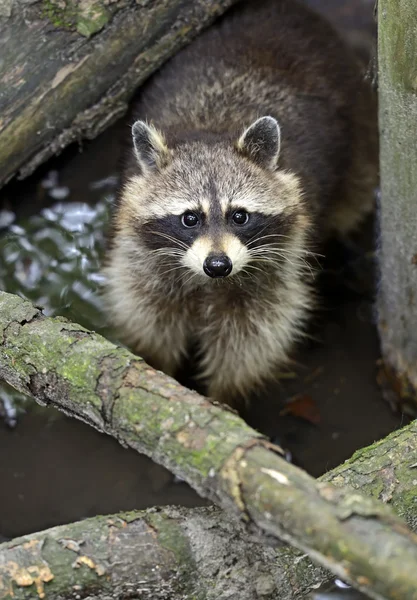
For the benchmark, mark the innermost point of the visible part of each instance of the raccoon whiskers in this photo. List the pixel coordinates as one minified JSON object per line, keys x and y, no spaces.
{"x":176,"y":254}
{"x":179,"y":243}
{"x":252,"y":276}
{"x":187,"y":281}
{"x":269,"y":255}
{"x":316,"y":258}
{"x":280,"y":251}
{"x":274,"y":246}
{"x":168,"y":251}
{"x":251,"y":266}
{"x":177,"y":268}
{"x":264,"y":237}
{"x":269,"y":260}
{"x":258,"y":233}
{"x":169,"y":257}
{"x":166,"y":254}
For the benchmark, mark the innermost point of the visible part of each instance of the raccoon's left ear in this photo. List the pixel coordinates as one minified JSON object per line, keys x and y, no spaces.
{"x":150,"y":147}
{"x":261,"y":142}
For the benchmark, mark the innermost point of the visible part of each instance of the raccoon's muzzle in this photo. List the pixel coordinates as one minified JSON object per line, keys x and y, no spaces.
{"x":217,"y":265}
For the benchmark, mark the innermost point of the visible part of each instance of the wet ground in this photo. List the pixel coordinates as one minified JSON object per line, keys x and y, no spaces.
{"x":55,"y":470}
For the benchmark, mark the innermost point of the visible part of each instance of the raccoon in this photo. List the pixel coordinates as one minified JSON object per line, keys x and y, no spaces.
{"x":252,"y":146}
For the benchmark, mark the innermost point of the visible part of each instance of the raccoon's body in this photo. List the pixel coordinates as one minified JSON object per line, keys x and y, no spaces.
{"x":261,"y":143}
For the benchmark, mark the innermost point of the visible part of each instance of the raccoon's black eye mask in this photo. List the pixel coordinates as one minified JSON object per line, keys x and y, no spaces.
{"x":192,"y":219}
{"x":170,"y":231}
{"x":259,"y":229}
{"x":253,"y":229}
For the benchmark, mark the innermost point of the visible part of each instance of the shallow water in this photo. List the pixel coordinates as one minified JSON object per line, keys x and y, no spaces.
{"x":53,"y":258}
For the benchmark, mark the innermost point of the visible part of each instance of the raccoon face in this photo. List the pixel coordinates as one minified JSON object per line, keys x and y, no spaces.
{"x":213,"y":206}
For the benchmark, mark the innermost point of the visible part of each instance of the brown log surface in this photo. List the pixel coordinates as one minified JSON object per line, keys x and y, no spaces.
{"x":88,"y":377}
{"x":158,"y":554}
{"x":69,"y":68}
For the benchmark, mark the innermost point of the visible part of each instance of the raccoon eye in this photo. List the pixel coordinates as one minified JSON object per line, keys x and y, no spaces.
{"x":240,"y":217}
{"x":190,"y":219}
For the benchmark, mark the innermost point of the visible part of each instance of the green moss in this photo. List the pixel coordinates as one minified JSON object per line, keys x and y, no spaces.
{"x":408,"y":503}
{"x":190,"y":440}
{"x":75,"y":359}
{"x":86,"y":18}
{"x":65,"y":574}
{"x":170,"y":536}
{"x":398,"y":42}
{"x":173,"y":539}
{"x":375,"y":487}
{"x":92,"y":20}
{"x":378,"y":447}
{"x":61,"y":13}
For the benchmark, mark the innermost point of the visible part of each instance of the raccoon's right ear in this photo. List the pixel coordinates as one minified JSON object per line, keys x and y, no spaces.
{"x":261,"y":142}
{"x":150,"y":148}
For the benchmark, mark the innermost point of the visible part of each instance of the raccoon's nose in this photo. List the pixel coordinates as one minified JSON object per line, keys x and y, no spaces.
{"x":217,"y":265}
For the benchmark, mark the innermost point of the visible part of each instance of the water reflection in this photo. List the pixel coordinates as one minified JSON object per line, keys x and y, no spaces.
{"x":53,"y":259}
{"x":337,"y":590}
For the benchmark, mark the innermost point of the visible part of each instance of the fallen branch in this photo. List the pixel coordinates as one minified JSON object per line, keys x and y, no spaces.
{"x":164,"y":554}
{"x":170,"y":552}
{"x":86,"y":376}
{"x":68,"y":69}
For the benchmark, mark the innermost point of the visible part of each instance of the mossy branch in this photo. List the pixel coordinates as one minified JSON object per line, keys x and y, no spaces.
{"x":86,"y":376}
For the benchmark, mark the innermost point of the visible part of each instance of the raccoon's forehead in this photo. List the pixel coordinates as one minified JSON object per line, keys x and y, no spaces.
{"x":206,"y":180}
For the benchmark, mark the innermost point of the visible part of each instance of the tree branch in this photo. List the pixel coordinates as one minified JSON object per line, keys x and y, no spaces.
{"x":86,"y":376}
{"x":158,"y":554}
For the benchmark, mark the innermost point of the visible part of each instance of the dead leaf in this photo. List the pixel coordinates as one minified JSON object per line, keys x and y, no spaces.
{"x":303,"y":407}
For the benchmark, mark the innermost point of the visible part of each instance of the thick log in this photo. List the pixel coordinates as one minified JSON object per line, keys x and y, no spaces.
{"x":169,"y":552}
{"x":159,"y":554}
{"x":69,"y":68}
{"x":397,"y":297}
{"x":86,"y":376}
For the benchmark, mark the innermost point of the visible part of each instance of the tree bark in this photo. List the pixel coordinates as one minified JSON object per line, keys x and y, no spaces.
{"x":68,"y":68}
{"x":397,"y":298}
{"x":86,"y":376}
{"x":159,"y":554}
{"x":170,"y":552}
